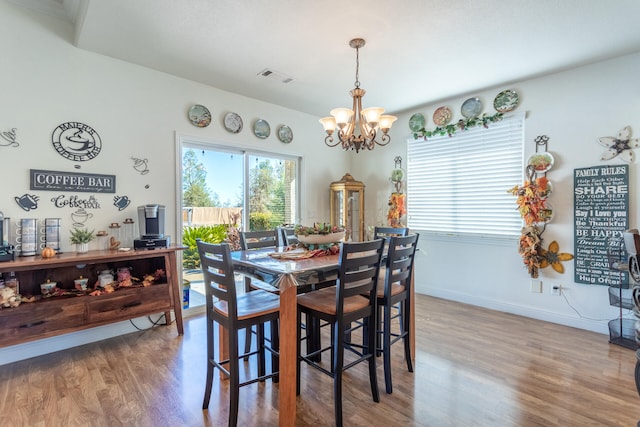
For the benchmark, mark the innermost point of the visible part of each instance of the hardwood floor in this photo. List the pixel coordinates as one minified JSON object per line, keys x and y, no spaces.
{"x":474,"y":367}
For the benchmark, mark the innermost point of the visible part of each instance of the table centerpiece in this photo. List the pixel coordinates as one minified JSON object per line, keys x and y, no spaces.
{"x":319,"y":235}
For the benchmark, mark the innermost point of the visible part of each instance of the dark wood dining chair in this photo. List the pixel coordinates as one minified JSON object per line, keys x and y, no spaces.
{"x":394,"y":290}
{"x":234,"y":312}
{"x":256,"y":240}
{"x":359,"y":266}
{"x":386,"y":232}
{"x":286,"y":236}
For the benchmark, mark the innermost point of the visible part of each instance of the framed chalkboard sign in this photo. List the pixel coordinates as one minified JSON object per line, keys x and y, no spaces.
{"x":601,"y":214}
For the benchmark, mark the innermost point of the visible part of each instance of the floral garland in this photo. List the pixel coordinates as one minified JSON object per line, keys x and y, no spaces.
{"x":532,"y":199}
{"x":450,"y":129}
{"x":530,"y":247}
{"x":397,"y":209}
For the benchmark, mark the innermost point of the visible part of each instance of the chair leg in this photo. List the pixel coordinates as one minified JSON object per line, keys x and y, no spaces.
{"x":247,"y":342}
{"x":405,"y":308}
{"x":234,"y":379}
{"x":386,"y":348}
{"x":247,"y":335}
{"x":275,"y":346}
{"x":378,"y":334}
{"x":210,"y":368}
{"x":313,"y":336}
{"x":373,"y":377}
{"x":261,"y":351}
{"x":337,"y":358}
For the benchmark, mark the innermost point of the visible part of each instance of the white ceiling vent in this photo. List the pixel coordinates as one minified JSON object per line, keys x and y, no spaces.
{"x":275,"y":75}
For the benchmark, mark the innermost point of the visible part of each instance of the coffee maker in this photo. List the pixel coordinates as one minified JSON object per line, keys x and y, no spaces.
{"x":7,"y":252}
{"x":151,"y":220}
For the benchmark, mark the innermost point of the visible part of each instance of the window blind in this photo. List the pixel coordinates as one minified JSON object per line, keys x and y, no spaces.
{"x":458,"y":185}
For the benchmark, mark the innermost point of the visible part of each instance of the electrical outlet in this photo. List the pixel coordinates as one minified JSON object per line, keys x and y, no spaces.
{"x":556,"y":290}
{"x":536,"y":286}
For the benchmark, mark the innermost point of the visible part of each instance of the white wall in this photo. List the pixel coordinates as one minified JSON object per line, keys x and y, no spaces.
{"x":574,"y":108}
{"x":46,"y":81}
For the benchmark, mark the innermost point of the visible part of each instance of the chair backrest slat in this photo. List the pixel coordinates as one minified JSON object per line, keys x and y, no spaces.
{"x":386,"y":232}
{"x":257,"y":239}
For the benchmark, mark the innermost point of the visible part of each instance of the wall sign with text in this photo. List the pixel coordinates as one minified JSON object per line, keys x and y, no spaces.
{"x":72,"y":181}
{"x":601,"y":214}
{"x":76,"y":141}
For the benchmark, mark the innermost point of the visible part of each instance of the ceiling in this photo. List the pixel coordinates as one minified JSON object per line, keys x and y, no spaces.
{"x":417,"y":51}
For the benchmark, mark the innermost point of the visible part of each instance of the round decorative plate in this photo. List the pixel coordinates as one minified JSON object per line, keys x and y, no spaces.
{"x":541,"y":162}
{"x":442,"y":116}
{"x":199,"y":115}
{"x":546,"y":214}
{"x":261,"y":129}
{"x":285,"y":134}
{"x":471,"y":108}
{"x":506,"y":101}
{"x":417,"y":122}
{"x":233,"y":122}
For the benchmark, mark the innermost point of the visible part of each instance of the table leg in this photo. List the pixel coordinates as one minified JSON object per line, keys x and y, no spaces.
{"x":288,"y":350}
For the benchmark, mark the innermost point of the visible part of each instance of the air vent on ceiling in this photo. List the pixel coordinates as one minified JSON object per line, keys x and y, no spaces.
{"x":275,"y":75}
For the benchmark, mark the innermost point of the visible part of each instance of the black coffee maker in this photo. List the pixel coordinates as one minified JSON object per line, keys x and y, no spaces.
{"x":7,"y":252}
{"x":151,"y":220}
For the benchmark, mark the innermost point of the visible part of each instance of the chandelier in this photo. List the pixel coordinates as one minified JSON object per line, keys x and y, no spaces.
{"x":349,"y":122}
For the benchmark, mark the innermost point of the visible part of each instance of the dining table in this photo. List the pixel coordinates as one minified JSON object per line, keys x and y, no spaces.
{"x":287,"y":271}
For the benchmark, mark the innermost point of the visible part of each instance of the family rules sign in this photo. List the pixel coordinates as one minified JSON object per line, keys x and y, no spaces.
{"x":601,"y":214}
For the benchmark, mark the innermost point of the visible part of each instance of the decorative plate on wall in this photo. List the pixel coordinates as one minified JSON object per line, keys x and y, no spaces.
{"x":541,"y":162}
{"x":285,"y":134}
{"x":506,"y":101}
{"x":417,"y":122}
{"x":233,"y":122}
{"x":261,"y":129}
{"x":442,"y":116}
{"x":199,"y":115}
{"x":471,"y":108}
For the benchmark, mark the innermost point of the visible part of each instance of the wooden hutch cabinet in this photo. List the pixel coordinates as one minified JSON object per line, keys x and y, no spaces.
{"x":55,"y":315}
{"x":347,"y":206}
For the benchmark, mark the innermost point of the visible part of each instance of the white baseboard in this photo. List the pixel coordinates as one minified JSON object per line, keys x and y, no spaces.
{"x":534,"y":313}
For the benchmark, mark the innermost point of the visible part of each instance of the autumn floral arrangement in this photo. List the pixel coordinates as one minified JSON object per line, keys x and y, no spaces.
{"x":397,"y":209}
{"x":534,"y":210}
{"x":397,"y":203}
{"x":532,"y":200}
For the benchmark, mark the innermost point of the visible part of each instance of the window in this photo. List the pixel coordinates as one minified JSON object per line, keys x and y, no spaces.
{"x":221,"y":185}
{"x":458,"y":185}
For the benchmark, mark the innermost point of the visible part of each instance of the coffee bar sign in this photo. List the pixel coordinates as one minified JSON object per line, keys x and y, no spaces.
{"x":601,"y":212}
{"x":72,"y":181}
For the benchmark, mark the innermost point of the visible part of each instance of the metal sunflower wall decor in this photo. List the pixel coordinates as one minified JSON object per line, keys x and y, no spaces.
{"x":620,"y":145}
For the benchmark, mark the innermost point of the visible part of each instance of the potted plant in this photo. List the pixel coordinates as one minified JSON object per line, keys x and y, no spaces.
{"x":81,"y":237}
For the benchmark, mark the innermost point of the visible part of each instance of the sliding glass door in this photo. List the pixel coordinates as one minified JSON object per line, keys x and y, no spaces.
{"x":223,"y":189}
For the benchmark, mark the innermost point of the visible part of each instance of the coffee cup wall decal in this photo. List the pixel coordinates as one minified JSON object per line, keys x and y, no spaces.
{"x":79,"y":217}
{"x":27,"y":201}
{"x":140,"y":165}
{"x":9,"y":139}
{"x":121,"y":202}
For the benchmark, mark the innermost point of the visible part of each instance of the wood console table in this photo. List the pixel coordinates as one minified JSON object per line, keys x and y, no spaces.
{"x":56,"y":315}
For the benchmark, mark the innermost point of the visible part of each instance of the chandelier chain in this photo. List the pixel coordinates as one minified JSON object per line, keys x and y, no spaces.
{"x":357,"y":82}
